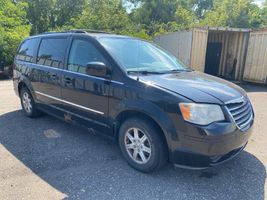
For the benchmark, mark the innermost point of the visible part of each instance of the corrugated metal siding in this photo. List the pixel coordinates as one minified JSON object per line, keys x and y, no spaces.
{"x":234,"y":46}
{"x":199,"y":48}
{"x":221,"y":38}
{"x":256,"y":63}
{"x":179,"y":44}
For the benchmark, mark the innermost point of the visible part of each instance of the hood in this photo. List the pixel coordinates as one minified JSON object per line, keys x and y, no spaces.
{"x":197,"y":86}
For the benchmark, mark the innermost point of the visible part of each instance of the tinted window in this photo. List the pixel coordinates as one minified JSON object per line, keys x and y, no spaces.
{"x":81,"y":53}
{"x":26,"y":50}
{"x":51,"y":52}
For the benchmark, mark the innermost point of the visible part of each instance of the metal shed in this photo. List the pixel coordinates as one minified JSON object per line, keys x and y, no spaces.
{"x":214,"y":50}
{"x":178,"y":43}
{"x":256,"y":62}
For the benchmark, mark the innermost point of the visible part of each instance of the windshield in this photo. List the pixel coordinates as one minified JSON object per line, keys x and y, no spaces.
{"x":136,"y":55}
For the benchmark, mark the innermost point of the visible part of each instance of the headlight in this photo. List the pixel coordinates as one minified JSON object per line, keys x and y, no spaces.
{"x":201,"y":114}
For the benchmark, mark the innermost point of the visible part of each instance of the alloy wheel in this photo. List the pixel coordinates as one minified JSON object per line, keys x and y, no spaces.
{"x":27,"y":103}
{"x":137,"y":145}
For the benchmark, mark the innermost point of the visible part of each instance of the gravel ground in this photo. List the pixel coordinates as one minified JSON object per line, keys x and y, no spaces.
{"x":46,"y":158}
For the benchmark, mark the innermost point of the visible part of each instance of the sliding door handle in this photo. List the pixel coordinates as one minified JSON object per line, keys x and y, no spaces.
{"x":53,"y":76}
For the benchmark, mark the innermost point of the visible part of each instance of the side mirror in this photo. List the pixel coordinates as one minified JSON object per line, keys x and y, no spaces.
{"x":98,"y":69}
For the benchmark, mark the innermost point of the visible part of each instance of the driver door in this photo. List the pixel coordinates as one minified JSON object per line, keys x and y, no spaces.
{"x":85,"y":97}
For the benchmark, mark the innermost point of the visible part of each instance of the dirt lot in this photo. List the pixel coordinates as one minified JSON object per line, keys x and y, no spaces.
{"x":46,"y":158}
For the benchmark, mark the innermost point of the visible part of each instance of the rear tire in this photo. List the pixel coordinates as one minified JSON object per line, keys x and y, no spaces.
{"x":28,"y":104}
{"x":142,"y":145}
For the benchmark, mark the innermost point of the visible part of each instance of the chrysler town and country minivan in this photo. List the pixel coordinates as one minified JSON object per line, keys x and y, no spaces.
{"x":131,"y":90}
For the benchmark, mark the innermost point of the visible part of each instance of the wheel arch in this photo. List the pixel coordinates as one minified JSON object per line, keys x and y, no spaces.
{"x":24,"y":82}
{"x":21,"y":85}
{"x":128,"y":114}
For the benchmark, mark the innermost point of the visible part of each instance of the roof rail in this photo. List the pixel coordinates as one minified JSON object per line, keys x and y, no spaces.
{"x":87,"y":31}
{"x":53,"y":32}
{"x":75,"y":31}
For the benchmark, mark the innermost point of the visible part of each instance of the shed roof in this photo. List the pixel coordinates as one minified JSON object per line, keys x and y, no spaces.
{"x":229,"y":29}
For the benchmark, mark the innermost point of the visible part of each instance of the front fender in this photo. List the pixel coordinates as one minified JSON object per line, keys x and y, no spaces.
{"x":151,"y":110}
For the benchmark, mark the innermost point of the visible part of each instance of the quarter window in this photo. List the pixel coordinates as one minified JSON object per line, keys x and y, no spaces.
{"x":51,"y":52}
{"x":81,"y":53}
{"x":27,"y":50}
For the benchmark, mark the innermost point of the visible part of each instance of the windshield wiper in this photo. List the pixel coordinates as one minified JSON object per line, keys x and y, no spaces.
{"x":143,"y":72}
{"x":179,"y":70}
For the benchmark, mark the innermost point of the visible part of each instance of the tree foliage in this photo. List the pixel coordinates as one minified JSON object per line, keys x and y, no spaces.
{"x":13,"y":28}
{"x":103,"y":15}
{"x":139,"y":18}
{"x":144,"y":17}
{"x":46,"y":15}
{"x":264,"y":14}
{"x":200,"y":7}
{"x":233,"y":13}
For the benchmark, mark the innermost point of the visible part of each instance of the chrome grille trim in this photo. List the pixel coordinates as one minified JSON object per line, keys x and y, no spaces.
{"x":247,"y":123}
{"x":241,"y":112}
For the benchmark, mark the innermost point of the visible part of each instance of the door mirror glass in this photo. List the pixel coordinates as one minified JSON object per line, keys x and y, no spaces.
{"x":98,"y":69}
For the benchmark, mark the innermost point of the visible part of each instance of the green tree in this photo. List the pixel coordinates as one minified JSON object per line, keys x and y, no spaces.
{"x":154,"y":15}
{"x":169,"y":15}
{"x":47,"y":15}
{"x":185,"y":17}
{"x":40,"y":15}
{"x":110,"y":16}
{"x":264,"y":14}
{"x":233,"y":13}
{"x":13,"y":28}
{"x":65,"y":10}
{"x":107,"y":15}
{"x":200,"y":7}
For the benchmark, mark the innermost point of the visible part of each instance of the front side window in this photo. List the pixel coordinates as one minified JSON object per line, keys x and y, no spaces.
{"x":51,"y":52}
{"x":81,"y":53}
{"x":26,"y":50}
{"x":137,"y":55}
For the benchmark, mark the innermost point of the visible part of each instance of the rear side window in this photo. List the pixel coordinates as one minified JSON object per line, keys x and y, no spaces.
{"x":81,"y":53}
{"x":27,"y":50}
{"x":51,"y":52}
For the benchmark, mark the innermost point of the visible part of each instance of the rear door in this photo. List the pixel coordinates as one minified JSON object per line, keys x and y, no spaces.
{"x":85,"y":96}
{"x":47,"y":73}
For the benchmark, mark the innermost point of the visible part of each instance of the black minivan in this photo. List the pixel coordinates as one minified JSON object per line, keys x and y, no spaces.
{"x":131,"y":90}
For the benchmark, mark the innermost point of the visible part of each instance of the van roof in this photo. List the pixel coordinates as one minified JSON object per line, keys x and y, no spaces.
{"x":92,"y":33}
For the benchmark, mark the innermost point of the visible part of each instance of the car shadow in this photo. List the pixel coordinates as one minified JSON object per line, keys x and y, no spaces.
{"x":253,"y":87}
{"x":4,"y":79}
{"x":87,"y":166}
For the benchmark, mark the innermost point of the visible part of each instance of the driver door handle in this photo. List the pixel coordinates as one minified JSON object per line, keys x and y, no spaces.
{"x":68,"y":80}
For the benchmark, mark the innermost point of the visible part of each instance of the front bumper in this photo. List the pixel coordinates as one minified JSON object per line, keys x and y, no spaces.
{"x":208,"y":151}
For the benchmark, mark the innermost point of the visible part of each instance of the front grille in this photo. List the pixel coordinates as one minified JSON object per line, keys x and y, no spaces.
{"x":241,"y":111}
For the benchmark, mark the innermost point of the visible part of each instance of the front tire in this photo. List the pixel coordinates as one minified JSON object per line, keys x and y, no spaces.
{"x":142,"y":145}
{"x":28,"y":104}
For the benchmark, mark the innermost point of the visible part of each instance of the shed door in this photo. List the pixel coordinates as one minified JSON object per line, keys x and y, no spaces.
{"x":256,"y":62}
{"x":199,"y":47}
{"x":213,"y":58}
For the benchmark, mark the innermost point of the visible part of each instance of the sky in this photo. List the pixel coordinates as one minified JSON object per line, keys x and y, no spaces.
{"x":130,"y":6}
{"x":259,"y":2}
